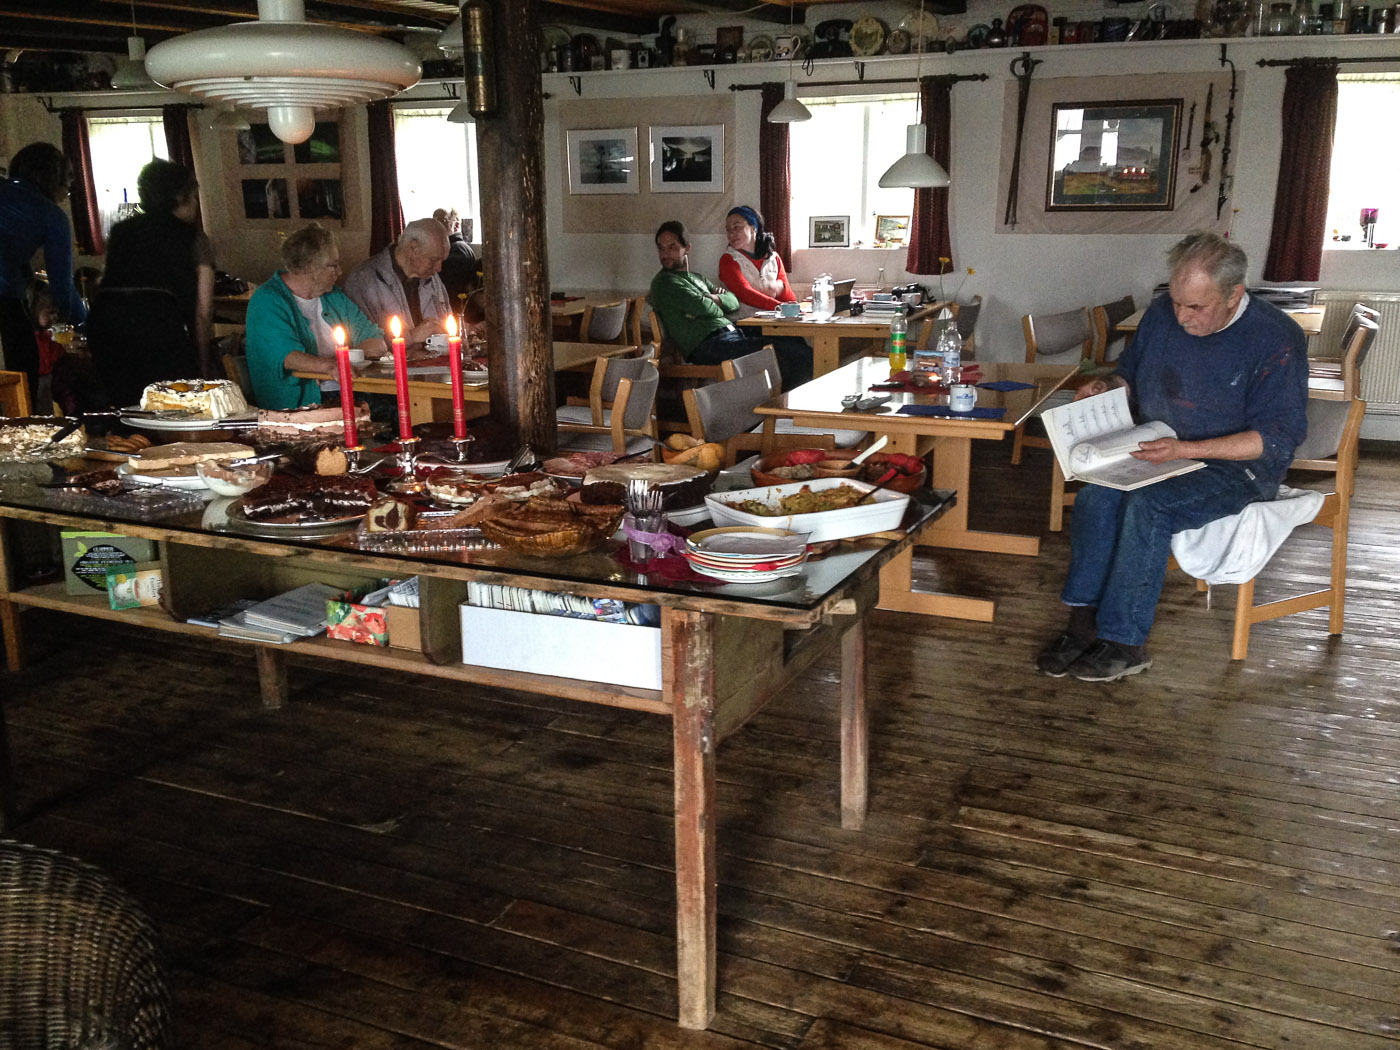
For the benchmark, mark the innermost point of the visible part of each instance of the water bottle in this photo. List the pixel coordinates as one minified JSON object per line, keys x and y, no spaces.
{"x":899,"y":333}
{"x":950,"y":346}
{"x":823,"y":298}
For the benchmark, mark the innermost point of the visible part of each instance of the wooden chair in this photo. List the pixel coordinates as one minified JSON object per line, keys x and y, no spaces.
{"x":723,"y":412}
{"x":637,"y":320}
{"x":1106,"y":319}
{"x":1342,"y":374}
{"x":236,"y":371}
{"x":604,"y":323}
{"x":1334,"y":429}
{"x":765,"y":361}
{"x":1060,"y":338}
{"x":966,"y":315}
{"x":619,"y":413}
{"x":677,"y":376}
{"x":14,"y":394}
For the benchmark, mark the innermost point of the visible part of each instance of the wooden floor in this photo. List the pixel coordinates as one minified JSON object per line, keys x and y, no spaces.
{"x":1204,"y":856}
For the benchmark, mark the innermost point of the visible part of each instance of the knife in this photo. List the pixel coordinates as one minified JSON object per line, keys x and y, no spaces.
{"x":63,"y":431}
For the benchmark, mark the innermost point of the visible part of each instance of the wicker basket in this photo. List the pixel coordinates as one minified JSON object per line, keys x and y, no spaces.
{"x":577,"y":537}
{"x":79,"y":965}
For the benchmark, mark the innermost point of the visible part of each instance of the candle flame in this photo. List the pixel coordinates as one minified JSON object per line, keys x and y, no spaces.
{"x":449,"y":324}
{"x":338,"y":334}
{"x":395,"y":326}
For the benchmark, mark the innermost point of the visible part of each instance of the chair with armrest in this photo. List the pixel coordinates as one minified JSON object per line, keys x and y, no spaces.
{"x":14,"y":394}
{"x":236,"y":371}
{"x":1106,"y":319}
{"x":766,"y":362}
{"x":677,"y":375}
{"x":1334,"y":429}
{"x":1059,"y":338}
{"x":1341,"y":376}
{"x":603,"y":323}
{"x":618,"y":415}
{"x":637,"y":320}
{"x":724,"y":413}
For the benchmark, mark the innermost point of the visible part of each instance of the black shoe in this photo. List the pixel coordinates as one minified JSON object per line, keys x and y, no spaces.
{"x":1055,"y":659}
{"x":1106,"y":661}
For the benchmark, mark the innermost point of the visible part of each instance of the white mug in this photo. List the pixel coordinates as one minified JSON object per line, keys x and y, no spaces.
{"x":962,"y":397}
{"x":356,"y":355}
{"x":437,"y":341}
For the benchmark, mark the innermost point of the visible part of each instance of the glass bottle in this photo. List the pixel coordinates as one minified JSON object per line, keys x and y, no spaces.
{"x":899,"y":334}
{"x":823,"y":298}
{"x":950,"y":348}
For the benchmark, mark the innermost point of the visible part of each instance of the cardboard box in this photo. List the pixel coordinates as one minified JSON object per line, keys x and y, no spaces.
{"x":591,"y":650}
{"x":88,"y":555}
{"x":134,"y":586}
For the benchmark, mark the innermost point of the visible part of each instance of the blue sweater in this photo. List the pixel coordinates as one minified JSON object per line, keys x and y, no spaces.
{"x":30,"y":221}
{"x":1252,"y":375}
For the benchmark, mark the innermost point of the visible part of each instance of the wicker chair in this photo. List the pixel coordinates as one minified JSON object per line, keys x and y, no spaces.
{"x":78,"y":958}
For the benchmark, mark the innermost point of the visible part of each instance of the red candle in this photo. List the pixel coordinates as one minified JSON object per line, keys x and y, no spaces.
{"x":400,"y":351}
{"x":454,"y":368}
{"x":347,"y":387}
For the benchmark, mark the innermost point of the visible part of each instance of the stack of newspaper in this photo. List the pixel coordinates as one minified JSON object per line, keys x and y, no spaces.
{"x":299,"y":613}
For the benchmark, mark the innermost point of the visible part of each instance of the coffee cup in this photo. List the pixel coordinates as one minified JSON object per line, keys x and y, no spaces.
{"x":962,"y":397}
{"x":356,"y":355}
{"x":790,"y":309}
{"x":437,"y":341}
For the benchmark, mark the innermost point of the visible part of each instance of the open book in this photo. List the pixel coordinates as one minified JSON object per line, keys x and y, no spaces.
{"x":1094,"y":440}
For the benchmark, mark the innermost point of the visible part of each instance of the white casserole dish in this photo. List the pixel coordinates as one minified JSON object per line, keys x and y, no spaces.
{"x":884,"y":511}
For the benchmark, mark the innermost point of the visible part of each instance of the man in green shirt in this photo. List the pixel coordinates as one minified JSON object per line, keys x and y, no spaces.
{"x":693,"y":312}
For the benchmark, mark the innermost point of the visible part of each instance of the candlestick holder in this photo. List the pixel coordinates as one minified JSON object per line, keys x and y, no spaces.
{"x":352,"y":459}
{"x":459,"y":448}
{"x":406,"y":460}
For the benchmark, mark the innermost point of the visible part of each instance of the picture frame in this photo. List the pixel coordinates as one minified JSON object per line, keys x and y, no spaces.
{"x":603,"y":160}
{"x":687,"y":159}
{"x":891,"y":231}
{"x":1114,"y":156}
{"x":829,"y":231}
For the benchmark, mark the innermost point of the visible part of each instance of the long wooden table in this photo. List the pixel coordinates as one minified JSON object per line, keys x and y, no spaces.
{"x":818,"y":404}
{"x":827,"y":336}
{"x":430,"y":395}
{"x":1309,"y":319}
{"x":725,"y":650}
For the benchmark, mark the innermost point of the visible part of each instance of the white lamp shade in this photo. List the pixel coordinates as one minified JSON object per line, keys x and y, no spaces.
{"x":790,"y":110}
{"x":450,"y":40}
{"x":461,"y":114}
{"x":284,"y":64}
{"x":916,"y":169}
{"x":131,"y":70}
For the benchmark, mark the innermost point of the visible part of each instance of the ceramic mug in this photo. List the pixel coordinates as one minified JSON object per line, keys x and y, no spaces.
{"x":437,"y":341}
{"x":790,"y":309}
{"x":962,"y":397}
{"x":356,"y":355}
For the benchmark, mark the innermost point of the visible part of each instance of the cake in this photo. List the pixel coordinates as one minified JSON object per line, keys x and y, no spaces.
{"x":22,"y":439}
{"x":206,"y":398}
{"x":288,"y":498}
{"x":680,"y":486}
{"x":186,"y":454}
{"x":390,"y":514}
{"x":311,"y":421}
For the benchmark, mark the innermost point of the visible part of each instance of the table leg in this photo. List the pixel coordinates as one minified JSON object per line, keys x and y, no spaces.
{"x":855,"y":737}
{"x":952,"y":469}
{"x":826,"y":352}
{"x":9,"y":611}
{"x":688,"y":647}
{"x":272,"y":676}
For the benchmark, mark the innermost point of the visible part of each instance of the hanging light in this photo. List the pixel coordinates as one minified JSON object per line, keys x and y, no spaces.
{"x":130,"y":73}
{"x":228,"y":118}
{"x":461,"y":114}
{"x":286,"y":65}
{"x":450,"y":40}
{"x":916,"y":169}
{"x":790,"y":110}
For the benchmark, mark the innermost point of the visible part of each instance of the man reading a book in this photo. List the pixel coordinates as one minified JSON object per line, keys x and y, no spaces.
{"x":1229,"y":374}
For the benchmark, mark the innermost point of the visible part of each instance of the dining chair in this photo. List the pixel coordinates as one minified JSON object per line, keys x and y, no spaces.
{"x":637,"y":321}
{"x":724,"y":413}
{"x":618,"y":415}
{"x":1355,"y":343}
{"x":766,"y":362}
{"x":603,"y":323}
{"x":1058,"y":338}
{"x":966,"y":317}
{"x":1106,"y":318}
{"x":236,"y":371}
{"x":677,"y":376}
{"x":14,"y":394}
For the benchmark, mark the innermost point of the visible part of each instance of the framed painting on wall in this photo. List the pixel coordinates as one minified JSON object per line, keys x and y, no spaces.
{"x":829,"y":231}
{"x":891,"y":230}
{"x":1114,"y":156}
{"x":687,"y":159}
{"x":603,"y":161}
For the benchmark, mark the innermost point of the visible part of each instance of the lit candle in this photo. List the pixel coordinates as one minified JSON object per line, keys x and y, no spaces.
{"x":347,"y":387}
{"x":454,"y":368}
{"x":400,"y":351}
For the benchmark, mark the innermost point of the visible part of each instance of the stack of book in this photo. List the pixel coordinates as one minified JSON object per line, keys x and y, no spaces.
{"x":299,"y":613}
{"x":882,"y":304}
{"x":548,"y":603}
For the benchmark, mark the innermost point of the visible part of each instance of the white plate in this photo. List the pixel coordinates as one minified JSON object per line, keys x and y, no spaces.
{"x":688,"y":516}
{"x":490,"y":469}
{"x":885,"y":511}
{"x":193,"y":482}
{"x":739,"y":542}
{"x":738,"y":577}
{"x":237,"y":517}
{"x":142,"y":423}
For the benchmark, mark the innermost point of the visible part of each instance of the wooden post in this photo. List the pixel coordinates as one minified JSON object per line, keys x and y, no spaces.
{"x":510,"y":166}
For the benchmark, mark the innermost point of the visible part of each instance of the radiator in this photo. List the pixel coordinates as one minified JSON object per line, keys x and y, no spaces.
{"x":1380,"y":376}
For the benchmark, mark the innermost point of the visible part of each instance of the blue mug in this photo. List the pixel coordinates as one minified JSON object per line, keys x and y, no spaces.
{"x":790,"y":309}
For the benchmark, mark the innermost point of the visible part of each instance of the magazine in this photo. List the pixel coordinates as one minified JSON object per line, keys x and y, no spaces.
{"x":1094,"y":439}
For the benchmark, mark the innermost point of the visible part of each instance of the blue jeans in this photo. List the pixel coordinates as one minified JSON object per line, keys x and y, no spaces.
{"x":1120,"y":541}
{"x":794,"y":355}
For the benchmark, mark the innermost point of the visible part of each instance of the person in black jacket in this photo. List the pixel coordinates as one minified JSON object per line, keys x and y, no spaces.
{"x":460,"y":266}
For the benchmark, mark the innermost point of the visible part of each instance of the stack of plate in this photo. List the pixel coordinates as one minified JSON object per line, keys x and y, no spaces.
{"x":744,"y":554}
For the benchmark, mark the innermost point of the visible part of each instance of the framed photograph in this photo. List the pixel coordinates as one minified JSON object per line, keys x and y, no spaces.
{"x":1114,"y":156}
{"x":829,"y":231}
{"x":687,"y":159}
{"x":323,"y":147}
{"x":603,"y":161}
{"x":891,"y":230}
{"x":258,"y":145}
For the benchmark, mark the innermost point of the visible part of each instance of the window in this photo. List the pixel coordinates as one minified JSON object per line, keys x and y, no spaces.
{"x":276,"y":181}
{"x":121,"y":147}
{"x":838,"y":157}
{"x":1365,"y":161}
{"x":433,"y":172}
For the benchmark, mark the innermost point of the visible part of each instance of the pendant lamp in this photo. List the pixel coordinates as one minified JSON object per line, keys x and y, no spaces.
{"x":130,"y":73}
{"x":916,"y":170}
{"x":790,"y":110}
{"x":284,"y":64}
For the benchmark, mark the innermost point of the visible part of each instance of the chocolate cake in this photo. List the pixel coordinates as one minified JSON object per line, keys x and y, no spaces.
{"x":311,"y":421}
{"x":288,"y":498}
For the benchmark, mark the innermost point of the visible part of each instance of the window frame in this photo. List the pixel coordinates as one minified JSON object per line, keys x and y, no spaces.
{"x":472,"y":164}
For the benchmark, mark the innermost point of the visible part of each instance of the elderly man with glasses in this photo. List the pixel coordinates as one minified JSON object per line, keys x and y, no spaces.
{"x":402,"y":281}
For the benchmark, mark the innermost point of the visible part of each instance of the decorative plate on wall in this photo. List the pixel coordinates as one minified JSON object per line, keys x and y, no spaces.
{"x":898,"y":42}
{"x":867,"y":36}
{"x":760,"y":49}
{"x":926,"y":30}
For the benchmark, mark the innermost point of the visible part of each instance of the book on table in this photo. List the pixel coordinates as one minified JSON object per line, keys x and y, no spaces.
{"x":1094,"y":440}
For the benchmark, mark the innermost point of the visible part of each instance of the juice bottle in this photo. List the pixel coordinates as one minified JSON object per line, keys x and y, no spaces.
{"x":899,"y":331}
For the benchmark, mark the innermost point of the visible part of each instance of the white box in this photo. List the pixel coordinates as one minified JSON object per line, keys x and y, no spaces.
{"x":589,"y":650}
{"x":884,"y":511}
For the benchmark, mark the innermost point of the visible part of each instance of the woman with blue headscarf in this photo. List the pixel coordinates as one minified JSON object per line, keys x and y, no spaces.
{"x":750,"y":267}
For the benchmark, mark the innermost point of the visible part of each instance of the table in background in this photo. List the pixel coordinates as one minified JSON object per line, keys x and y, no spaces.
{"x":233,"y":309}
{"x":827,"y":336}
{"x":818,"y":404}
{"x":1309,"y":319}
{"x":567,"y":313}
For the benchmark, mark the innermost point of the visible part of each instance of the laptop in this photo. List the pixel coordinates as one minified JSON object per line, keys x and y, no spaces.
{"x":842,"y":291}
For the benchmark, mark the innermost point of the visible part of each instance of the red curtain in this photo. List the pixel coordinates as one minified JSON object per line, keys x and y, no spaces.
{"x":774,"y":175}
{"x":929,"y":238}
{"x":87,"y":222}
{"x":177,"y":134}
{"x":385,"y":209}
{"x":1305,"y":162}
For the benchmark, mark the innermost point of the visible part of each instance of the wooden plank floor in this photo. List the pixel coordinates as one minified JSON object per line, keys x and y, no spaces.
{"x":1203,"y":856}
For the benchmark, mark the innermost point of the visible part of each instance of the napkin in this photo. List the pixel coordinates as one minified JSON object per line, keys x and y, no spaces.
{"x":945,"y":411}
{"x":1006,"y":384}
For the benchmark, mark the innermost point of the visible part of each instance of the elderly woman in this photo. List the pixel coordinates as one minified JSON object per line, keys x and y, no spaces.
{"x":290,"y":321}
{"x":751,"y":267}
{"x":153,"y":317}
{"x":30,"y":219}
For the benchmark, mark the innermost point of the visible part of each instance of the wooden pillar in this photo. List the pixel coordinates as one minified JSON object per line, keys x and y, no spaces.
{"x":511,"y":171}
